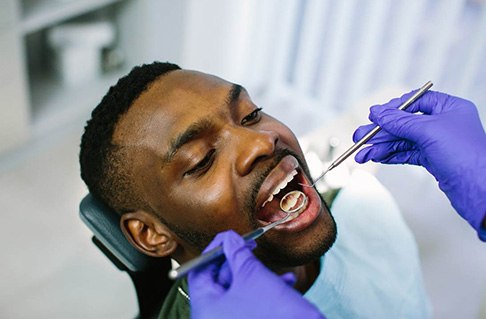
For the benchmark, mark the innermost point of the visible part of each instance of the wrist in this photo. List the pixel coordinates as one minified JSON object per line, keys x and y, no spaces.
{"x":482,"y":230}
{"x":467,"y":193}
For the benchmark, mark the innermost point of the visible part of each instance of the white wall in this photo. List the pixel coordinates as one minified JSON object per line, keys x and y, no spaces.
{"x":331,"y":54}
{"x":218,"y":37}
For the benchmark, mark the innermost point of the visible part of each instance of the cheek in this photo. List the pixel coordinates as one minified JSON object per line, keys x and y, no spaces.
{"x":210,"y":207}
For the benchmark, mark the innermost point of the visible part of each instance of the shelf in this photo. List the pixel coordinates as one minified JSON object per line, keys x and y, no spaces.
{"x":55,"y":105}
{"x":39,"y":14}
{"x":38,"y":103}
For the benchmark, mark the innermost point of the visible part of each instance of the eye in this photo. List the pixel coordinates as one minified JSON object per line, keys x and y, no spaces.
{"x":203,"y":165}
{"x":253,"y":117}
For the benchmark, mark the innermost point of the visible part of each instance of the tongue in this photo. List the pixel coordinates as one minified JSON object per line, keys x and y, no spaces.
{"x":271,"y":211}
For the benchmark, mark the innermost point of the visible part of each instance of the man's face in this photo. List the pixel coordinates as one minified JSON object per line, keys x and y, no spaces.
{"x":208,"y":159}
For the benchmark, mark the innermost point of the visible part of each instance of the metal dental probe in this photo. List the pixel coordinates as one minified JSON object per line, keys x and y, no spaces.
{"x":372,"y":133}
{"x":218,"y":251}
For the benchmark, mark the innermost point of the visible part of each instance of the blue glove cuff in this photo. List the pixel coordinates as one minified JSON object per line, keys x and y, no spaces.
{"x":482,"y":234}
{"x":482,"y":231}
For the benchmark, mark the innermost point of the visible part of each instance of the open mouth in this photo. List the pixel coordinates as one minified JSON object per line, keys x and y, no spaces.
{"x":273,"y":208}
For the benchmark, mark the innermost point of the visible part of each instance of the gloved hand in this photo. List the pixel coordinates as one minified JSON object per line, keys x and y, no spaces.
{"x":447,"y":139}
{"x":242,"y":287}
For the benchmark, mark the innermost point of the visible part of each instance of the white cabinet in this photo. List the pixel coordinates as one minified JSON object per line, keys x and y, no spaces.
{"x":14,"y":115}
{"x":35,"y":101}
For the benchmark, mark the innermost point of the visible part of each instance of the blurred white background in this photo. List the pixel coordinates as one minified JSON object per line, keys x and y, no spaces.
{"x":315,"y":64}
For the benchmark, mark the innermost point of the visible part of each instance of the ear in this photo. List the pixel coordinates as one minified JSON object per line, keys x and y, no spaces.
{"x":145,"y":231}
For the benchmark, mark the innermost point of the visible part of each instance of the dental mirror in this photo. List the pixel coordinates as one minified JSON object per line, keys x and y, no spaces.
{"x":293,"y":201}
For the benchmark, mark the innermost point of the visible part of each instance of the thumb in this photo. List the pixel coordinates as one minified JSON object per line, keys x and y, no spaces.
{"x":203,"y":281}
{"x":240,"y":258}
{"x":211,"y":278}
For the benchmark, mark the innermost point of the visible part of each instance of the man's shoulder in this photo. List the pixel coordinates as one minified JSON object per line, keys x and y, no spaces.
{"x":176,"y":304}
{"x":330,"y":195}
{"x":373,"y":268}
{"x":364,"y":208}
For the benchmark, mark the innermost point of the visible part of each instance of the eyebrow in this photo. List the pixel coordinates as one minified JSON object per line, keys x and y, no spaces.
{"x":234,"y":94}
{"x":196,"y":129}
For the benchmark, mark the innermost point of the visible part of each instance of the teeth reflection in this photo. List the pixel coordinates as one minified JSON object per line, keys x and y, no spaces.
{"x":293,"y":201}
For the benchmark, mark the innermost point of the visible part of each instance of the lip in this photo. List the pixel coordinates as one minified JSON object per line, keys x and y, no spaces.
{"x":276,"y":176}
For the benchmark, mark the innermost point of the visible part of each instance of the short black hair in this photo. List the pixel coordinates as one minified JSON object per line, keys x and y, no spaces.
{"x":101,"y":161}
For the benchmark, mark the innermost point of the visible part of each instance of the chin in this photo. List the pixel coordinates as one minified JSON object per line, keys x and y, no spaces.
{"x":311,"y":245}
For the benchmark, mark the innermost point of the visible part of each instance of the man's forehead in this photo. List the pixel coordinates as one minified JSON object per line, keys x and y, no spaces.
{"x":165,"y":105}
{"x":187,"y":81}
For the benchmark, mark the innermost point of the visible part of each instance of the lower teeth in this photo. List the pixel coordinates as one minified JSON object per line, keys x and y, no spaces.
{"x":293,"y":201}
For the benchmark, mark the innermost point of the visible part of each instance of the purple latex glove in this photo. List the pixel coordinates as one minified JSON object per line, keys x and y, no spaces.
{"x":447,"y":139}
{"x":242,"y":287}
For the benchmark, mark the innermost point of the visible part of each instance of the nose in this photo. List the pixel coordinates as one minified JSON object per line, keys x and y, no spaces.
{"x":254,"y":146}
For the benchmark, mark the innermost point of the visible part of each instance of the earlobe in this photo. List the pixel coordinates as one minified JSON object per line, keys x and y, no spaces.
{"x":148,"y":234}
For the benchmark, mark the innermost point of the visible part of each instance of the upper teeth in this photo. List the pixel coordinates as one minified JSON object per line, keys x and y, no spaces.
{"x":281,"y":186}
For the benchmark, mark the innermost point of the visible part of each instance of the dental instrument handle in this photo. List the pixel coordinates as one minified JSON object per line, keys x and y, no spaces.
{"x":218,"y":251}
{"x":373,"y":132}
